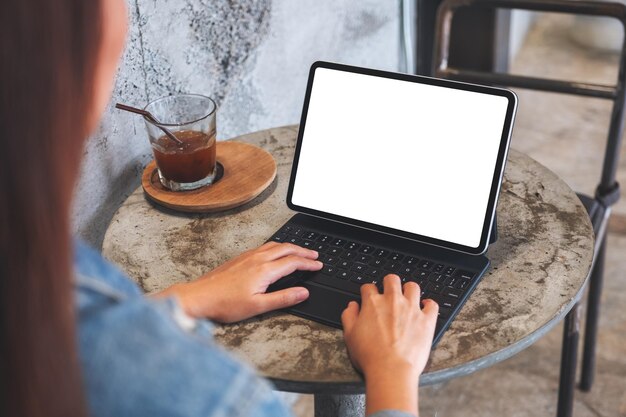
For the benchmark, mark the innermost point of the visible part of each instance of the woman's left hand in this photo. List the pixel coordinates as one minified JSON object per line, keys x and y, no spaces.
{"x":236,"y":289}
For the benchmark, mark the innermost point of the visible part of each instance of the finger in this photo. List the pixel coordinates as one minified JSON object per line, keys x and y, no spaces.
{"x":367,"y":290}
{"x":286,"y":249}
{"x":349,"y":316}
{"x":280,"y":299}
{"x":412,"y":292}
{"x":431,"y":309}
{"x":391,"y":284}
{"x":288,"y":264}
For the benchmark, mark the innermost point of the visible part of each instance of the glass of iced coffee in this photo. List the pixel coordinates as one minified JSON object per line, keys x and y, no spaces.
{"x":191,"y":163}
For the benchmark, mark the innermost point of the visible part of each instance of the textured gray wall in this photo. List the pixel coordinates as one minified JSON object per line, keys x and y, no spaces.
{"x":252,"y":56}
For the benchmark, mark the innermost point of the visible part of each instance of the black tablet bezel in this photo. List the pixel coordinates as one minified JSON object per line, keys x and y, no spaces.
{"x":498,"y":170}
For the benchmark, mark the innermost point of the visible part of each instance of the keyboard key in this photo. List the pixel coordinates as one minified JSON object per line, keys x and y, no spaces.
{"x":451,"y":282}
{"x":351,"y":246}
{"x":439,"y":278}
{"x":320,"y":247}
{"x":287,"y":229}
{"x":381,"y":253}
{"x":426,"y":265}
{"x":367,"y":249}
{"x":393,"y":266}
{"x":344,"y":263}
{"x":350,"y":255}
{"x":311,"y":235}
{"x":328,"y":270}
{"x":360,"y":268}
{"x":452,"y":293}
{"x":279,"y":237}
{"x":378,"y":262}
{"x":407,"y":270}
{"x":298,"y":232}
{"x":335,"y":251}
{"x":329,"y":260}
{"x":370,"y":279}
{"x":464,"y":274}
{"x":307,"y":244}
{"x":421,"y":274}
{"x":449,"y":270}
{"x":295,"y":240}
{"x":324,"y":239}
{"x":411,"y":261}
{"x":434,"y":287}
{"x":359,"y":279}
{"x":439,"y":268}
{"x":343,"y":274}
{"x":363,"y":258}
{"x":419,"y":281}
{"x":338,"y":242}
{"x":396,"y":256}
{"x":463,"y":284}
{"x":446,"y":303}
{"x":376,"y":273}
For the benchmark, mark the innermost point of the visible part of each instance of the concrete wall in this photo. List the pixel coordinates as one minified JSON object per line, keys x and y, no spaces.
{"x":252,"y":56}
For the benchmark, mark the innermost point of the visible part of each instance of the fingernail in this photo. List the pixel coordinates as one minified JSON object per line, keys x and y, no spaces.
{"x":315,"y":252}
{"x":319,"y":263}
{"x":302,"y":294}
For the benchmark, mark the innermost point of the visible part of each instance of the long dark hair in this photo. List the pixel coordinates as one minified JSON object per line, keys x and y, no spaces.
{"x":47,"y":60}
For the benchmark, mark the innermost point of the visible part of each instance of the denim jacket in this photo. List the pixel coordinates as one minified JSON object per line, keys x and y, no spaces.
{"x":145,"y":357}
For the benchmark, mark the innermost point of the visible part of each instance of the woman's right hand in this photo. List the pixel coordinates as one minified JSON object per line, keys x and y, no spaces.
{"x":389,"y":338}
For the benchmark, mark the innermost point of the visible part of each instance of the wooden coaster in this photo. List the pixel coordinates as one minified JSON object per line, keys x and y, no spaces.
{"x":248,"y":170}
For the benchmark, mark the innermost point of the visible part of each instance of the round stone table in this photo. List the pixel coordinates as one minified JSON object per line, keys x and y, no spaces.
{"x":540,"y":265}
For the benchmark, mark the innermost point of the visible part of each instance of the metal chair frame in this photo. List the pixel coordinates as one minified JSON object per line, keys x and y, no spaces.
{"x":607,"y":192}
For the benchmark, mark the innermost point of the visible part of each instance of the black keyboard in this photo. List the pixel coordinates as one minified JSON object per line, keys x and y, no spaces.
{"x":350,"y":264}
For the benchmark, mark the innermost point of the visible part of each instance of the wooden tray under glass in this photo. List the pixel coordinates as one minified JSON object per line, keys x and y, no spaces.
{"x":244,"y":172}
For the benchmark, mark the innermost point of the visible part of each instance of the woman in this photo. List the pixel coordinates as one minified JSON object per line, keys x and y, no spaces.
{"x":79,"y":339}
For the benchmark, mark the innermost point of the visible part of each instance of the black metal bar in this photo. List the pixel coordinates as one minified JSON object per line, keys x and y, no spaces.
{"x":616,"y":128}
{"x":591,"y":323}
{"x":426,"y":11}
{"x":569,"y":351}
{"x":477,"y":27}
{"x":531,"y":83}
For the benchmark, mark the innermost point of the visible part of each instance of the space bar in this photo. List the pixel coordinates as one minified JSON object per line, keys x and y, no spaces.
{"x":338,"y":283}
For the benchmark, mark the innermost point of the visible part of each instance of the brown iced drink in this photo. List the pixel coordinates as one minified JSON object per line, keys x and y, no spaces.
{"x":187,"y":163}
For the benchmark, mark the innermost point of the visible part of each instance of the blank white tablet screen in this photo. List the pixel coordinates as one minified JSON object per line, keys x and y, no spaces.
{"x":408,"y":156}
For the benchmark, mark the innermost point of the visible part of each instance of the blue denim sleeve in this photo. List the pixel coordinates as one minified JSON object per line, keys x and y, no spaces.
{"x":145,"y":358}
